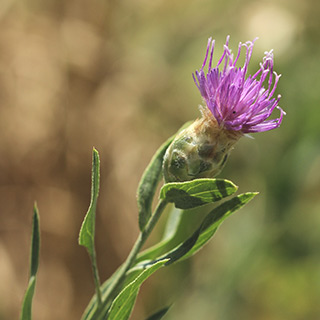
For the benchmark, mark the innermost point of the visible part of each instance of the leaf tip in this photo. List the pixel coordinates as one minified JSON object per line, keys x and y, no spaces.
{"x":95,"y":152}
{"x":250,"y":195}
{"x":235,"y":186}
{"x":35,"y":208}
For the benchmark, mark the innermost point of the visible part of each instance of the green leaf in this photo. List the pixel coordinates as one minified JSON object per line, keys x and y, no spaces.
{"x":215,"y":218}
{"x":87,"y":231}
{"x":194,"y":193}
{"x":26,"y":313}
{"x":149,"y":183}
{"x":159,"y":314}
{"x":35,"y":243}
{"x":122,"y":305}
{"x":208,"y":228}
{"x":34,"y":264}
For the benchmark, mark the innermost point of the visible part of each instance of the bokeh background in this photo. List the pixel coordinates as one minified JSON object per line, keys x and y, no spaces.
{"x":116,"y":75}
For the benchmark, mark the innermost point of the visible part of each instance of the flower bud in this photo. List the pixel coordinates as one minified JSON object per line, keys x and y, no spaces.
{"x":199,"y":151}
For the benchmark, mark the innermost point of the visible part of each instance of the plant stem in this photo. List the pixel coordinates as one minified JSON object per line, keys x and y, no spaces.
{"x":96,"y":277}
{"x":143,"y":236}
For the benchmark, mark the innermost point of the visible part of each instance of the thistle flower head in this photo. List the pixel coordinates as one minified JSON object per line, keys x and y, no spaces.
{"x":239,"y":102}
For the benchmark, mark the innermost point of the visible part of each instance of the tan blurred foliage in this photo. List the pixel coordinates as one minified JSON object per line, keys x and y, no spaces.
{"x":72,"y":77}
{"x":111,"y":74}
{"x":67,"y":83}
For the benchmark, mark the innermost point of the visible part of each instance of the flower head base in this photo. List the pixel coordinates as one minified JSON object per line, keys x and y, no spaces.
{"x":237,"y":101}
{"x":199,"y":151}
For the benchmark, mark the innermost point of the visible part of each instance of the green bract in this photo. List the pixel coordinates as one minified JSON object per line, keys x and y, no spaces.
{"x":199,"y":151}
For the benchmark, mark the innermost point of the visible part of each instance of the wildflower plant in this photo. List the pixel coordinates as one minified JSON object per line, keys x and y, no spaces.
{"x":235,"y":104}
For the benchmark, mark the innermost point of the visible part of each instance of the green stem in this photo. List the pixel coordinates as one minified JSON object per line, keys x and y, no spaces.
{"x":96,"y":277}
{"x":143,"y":236}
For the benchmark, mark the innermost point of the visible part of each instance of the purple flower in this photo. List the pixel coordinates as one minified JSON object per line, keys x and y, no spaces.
{"x":240,"y":102}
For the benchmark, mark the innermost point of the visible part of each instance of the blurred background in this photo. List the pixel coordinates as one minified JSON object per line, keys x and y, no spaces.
{"x":116,"y":75}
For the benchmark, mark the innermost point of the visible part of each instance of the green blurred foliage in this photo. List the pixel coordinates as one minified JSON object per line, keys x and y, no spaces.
{"x":117,"y":75}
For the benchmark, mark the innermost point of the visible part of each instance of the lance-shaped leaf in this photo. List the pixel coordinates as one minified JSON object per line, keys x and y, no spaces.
{"x":208,"y":228}
{"x":122,"y":306}
{"x":87,"y":231}
{"x":149,"y":182}
{"x":195,"y":193}
{"x":26,"y":313}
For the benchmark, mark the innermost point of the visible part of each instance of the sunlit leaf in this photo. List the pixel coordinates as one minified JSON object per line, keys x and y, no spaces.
{"x":194,"y":193}
{"x":208,"y":228}
{"x":87,"y":231}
